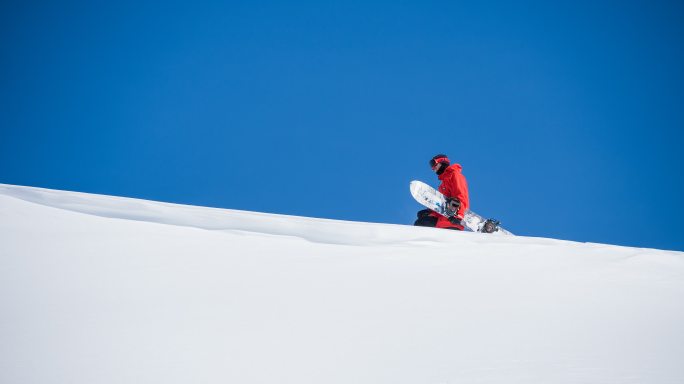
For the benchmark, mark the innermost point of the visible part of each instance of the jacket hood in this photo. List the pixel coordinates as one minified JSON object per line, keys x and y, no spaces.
{"x":451,"y":169}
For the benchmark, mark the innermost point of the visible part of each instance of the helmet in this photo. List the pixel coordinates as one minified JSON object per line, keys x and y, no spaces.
{"x":441,"y":158}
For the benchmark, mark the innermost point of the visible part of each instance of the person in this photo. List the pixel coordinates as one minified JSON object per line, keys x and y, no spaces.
{"x":455,"y":188}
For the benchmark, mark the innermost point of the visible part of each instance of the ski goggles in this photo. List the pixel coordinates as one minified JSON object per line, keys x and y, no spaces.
{"x":433,"y":162}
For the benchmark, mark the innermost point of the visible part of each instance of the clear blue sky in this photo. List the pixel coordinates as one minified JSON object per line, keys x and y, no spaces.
{"x":567,"y":117}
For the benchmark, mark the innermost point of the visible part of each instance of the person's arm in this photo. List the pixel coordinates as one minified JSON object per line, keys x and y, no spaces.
{"x":461,"y":193}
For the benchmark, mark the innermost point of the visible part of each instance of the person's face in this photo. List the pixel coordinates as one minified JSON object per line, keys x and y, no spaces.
{"x":435,"y":168}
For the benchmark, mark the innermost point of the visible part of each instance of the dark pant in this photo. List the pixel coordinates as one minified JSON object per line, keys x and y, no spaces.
{"x":425,"y":219}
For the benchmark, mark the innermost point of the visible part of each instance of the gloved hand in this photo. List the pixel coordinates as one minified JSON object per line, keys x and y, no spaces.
{"x":452,"y":204}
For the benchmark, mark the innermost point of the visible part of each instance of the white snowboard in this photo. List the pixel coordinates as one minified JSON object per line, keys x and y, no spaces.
{"x":435,"y":200}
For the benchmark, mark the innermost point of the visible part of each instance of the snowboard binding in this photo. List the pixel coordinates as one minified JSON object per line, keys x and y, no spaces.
{"x":451,"y":207}
{"x":490,"y":226}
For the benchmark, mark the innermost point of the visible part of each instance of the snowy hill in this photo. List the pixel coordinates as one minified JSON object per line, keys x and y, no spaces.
{"x":100,"y":289}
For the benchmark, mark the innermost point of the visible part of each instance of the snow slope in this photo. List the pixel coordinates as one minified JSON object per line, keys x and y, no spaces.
{"x":100,"y":289}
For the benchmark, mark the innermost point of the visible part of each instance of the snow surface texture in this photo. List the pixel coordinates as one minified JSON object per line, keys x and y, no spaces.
{"x":99,"y":289}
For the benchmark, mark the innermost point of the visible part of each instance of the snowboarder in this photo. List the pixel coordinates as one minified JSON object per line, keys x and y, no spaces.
{"x":455,"y":188}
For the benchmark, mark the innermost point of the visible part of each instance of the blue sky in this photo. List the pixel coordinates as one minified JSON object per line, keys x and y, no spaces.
{"x":567,"y":117}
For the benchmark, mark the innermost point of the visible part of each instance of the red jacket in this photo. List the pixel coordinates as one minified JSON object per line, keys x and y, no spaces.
{"x":453,"y":185}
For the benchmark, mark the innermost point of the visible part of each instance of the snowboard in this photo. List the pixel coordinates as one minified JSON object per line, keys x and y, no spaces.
{"x":435,"y":200}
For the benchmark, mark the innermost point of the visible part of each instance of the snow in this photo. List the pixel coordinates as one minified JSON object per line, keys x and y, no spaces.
{"x":102,"y":289}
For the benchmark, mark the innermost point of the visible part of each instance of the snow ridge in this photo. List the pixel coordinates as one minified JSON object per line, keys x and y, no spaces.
{"x":216,"y":219}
